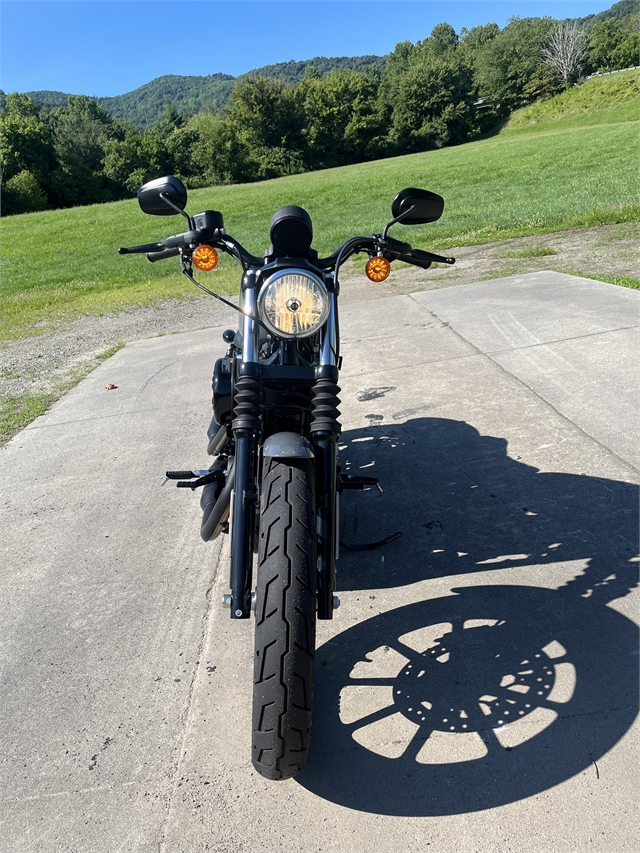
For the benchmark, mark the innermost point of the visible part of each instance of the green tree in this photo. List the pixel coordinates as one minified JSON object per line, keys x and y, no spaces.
{"x":265,"y":113}
{"x":19,"y":104}
{"x":626,"y":53}
{"x":433,"y":104}
{"x":342,"y":122}
{"x":22,"y":194}
{"x":25,"y":140}
{"x":220,"y":156}
{"x":614,"y":43}
{"x":472,"y":40}
{"x":442,"y":40}
{"x":124,"y":163}
{"x":80,"y":133}
{"x":509,"y":70}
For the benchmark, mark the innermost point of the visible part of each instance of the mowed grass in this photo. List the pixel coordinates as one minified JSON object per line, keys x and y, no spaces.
{"x":522,"y":181}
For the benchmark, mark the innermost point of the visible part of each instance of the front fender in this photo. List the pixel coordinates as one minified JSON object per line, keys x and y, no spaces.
{"x":287,"y":445}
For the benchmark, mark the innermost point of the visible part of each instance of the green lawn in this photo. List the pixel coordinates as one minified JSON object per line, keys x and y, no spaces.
{"x":567,"y":170}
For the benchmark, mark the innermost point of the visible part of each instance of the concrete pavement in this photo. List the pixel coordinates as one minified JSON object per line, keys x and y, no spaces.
{"x":477,"y":690}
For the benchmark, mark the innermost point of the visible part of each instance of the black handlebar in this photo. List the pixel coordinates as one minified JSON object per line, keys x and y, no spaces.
{"x":392,"y":249}
{"x":424,"y":259}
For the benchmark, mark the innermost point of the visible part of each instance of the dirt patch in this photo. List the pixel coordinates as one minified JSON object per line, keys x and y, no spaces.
{"x":607,"y":251}
{"x":50,"y":363}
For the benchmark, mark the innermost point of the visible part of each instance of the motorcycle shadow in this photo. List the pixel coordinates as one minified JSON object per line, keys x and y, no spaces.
{"x":492,"y":693}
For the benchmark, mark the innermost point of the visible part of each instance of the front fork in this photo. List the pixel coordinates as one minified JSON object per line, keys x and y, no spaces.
{"x":327,"y":521}
{"x":325,"y":431}
{"x":247,"y":426}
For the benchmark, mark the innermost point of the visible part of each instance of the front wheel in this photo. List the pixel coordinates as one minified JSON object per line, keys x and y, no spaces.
{"x":285,"y":619}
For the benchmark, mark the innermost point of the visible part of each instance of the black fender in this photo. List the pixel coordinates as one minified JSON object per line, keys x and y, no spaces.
{"x":287,"y":445}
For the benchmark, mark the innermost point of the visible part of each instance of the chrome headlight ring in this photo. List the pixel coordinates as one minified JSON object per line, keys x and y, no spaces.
{"x":293,"y":303}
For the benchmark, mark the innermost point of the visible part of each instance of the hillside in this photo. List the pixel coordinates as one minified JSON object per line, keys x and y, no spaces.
{"x":144,"y":106}
{"x":569,"y":169}
{"x":621,"y":10}
{"x":613,"y":98}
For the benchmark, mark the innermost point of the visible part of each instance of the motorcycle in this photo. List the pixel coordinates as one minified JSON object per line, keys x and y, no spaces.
{"x":275,"y":481}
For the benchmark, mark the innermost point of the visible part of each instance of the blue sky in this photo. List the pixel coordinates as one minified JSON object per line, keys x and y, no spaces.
{"x":108,"y":48}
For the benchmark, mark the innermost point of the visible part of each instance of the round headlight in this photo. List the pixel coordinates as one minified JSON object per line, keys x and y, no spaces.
{"x":293,"y":304}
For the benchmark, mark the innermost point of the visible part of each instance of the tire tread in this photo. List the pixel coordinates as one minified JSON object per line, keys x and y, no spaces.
{"x":285,"y":620}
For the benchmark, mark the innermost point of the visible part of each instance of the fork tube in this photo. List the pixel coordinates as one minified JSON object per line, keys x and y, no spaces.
{"x":325,"y":430}
{"x":249,"y":304}
{"x":330,"y":349}
{"x":246,"y":425}
{"x":326,"y":463}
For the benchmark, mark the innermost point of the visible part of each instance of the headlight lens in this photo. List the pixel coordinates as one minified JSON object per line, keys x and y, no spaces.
{"x":293,"y":304}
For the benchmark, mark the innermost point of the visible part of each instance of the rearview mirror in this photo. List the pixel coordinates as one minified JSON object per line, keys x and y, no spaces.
{"x":172,"y":188}
{"x":427,"y":207}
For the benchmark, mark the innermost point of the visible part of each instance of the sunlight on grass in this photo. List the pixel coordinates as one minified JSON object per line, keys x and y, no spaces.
{"x":620,"y":280}
{"x":529,"y":252}
{"x":17,"y":412}
{"x":514,"y":184}
{"x":614,"y":98}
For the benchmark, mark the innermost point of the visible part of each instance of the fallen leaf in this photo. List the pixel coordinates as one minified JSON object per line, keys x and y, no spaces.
{"x":111,"y":387}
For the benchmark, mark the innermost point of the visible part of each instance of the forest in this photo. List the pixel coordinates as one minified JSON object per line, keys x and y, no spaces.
{"x":443,"y":90}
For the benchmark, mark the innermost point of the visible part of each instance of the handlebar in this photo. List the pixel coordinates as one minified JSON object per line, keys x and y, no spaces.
{"x":393,"y":250}
{"x":171,"y":247}
{"x":424,"y":259}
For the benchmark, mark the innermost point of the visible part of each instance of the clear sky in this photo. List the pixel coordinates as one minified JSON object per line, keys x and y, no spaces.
{"x":109,"y":48}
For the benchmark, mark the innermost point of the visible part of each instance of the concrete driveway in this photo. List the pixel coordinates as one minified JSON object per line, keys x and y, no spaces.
{"x":478,"y":688}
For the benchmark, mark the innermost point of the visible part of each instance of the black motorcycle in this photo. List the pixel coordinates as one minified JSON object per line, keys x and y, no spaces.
{"x":275,"y":480}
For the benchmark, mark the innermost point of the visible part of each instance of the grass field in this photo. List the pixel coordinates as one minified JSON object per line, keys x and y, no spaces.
{"x":600,"y":100}
{"x":563,"y":166}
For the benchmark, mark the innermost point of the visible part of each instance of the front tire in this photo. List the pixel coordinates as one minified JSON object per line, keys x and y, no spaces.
{"x":285,"y":619}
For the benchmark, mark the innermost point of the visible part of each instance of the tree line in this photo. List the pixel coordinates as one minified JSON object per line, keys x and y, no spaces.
{"x":443,"y":90}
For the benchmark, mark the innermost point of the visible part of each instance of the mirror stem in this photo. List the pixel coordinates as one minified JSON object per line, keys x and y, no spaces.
{"x":393,"y":221}
{"x":165,"y":198}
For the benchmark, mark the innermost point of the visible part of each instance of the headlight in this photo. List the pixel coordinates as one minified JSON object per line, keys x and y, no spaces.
{"x":293,"y":304}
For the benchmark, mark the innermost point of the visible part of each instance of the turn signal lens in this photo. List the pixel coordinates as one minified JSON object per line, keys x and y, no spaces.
{"x":377,"y":268}
{"x":205,"y":258}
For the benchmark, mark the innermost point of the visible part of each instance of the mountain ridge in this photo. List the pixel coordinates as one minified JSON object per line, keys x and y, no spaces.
{"x":144,"y":105}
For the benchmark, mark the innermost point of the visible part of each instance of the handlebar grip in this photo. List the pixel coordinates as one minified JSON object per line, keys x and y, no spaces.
{"x":160,"y":256}
{"x":429,"y":256}
{"x":424,"y":263}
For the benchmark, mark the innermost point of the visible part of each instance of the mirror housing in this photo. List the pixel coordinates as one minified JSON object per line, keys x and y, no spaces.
{"x":150,"y":201}
{"x":427,"y":206}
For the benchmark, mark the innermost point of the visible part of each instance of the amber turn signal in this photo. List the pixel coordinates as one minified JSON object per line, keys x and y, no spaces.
{"x":205,"y":258}
{"x":377,"y":268}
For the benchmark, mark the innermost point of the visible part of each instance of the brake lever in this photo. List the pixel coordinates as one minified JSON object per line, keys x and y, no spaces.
{"x":140,"y":250}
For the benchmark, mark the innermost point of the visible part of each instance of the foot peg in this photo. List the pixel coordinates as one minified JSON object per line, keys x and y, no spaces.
{"x":201,"y":477}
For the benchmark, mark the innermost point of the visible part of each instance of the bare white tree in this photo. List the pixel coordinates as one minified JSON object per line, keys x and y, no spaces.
{"x":565,"y":50}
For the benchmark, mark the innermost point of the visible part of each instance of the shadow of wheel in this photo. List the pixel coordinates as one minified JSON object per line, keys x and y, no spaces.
{"x":470,"y":701}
